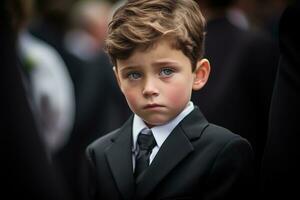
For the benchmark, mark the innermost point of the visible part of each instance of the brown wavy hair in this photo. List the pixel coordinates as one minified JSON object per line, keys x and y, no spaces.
{"x":140,"y":23}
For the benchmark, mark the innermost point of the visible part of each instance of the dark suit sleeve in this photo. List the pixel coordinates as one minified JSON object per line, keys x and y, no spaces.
{"x":231,"y":175}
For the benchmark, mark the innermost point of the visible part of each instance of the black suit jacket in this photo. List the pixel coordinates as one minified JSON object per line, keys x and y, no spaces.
{"x":197,"y":161}
{"x":281,"y":163}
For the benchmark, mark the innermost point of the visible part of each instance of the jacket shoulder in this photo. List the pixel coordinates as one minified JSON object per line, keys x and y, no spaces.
{"x":220,"y":135}
{"x":100,"y":144}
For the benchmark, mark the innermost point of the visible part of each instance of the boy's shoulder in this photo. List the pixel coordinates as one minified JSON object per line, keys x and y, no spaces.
{"x":213,"y":138}
{"x":196,"y":121}
{"x":103,"y":141}
{"x":106,"y":140}
{"x":197,"y":128}
{"x":220,"y":134}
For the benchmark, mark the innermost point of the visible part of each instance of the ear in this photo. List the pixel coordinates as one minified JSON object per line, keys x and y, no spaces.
{"x":201,"y":74}
{"x":117,"y":76}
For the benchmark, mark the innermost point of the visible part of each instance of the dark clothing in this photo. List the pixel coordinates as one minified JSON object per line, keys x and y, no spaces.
{"x":238,"y":92}
{"x":281,"y":163}
{"x":100,"y":105}
{"x":198,"y":160}
{"x":25,"y":170}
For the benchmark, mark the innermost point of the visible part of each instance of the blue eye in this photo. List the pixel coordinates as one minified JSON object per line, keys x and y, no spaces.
{"x":166,"y":72}
{"x":134,"y":75}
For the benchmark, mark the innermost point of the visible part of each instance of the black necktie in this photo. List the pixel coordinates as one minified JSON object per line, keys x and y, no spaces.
{"x":146,"y":143}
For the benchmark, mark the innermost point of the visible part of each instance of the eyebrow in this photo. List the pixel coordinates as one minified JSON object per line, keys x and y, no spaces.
{"x":155,"y":63}
{"x":129,"y":67}
{"x":165,"y":61}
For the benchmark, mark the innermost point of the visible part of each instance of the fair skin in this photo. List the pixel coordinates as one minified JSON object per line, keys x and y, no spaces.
{"x":158,"y":83}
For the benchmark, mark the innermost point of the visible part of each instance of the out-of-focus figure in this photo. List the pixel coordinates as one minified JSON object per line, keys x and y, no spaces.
{"x":244,"y":63}
{"x":100,"y":106}
{"x":281,"y":163}
{"x":89,"y":20}
{"x":50,"y":88}
{"x":25,"y":168}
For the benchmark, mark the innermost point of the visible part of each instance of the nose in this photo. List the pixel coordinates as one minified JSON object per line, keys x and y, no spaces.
{"x":150,"y":88}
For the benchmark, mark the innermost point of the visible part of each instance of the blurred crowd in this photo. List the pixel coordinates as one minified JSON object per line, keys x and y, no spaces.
{"x":65,"y":94}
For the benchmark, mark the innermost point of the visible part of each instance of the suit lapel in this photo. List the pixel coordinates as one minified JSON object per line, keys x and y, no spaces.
{"x":177,"y":146}
{"x":119,"y":158}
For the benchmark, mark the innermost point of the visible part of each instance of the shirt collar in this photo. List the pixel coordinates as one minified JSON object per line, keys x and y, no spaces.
{"x":161,"y":132}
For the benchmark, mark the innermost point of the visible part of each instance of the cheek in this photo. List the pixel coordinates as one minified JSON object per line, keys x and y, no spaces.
{"x":179,"y":93}
{"x":131,"y":98}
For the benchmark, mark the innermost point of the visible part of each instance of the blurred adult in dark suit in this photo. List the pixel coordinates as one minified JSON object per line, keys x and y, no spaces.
{"x":100,"y":106}
{"x":25,"y":169}
{"x":280,"y":167}
{"x":238,"y":92}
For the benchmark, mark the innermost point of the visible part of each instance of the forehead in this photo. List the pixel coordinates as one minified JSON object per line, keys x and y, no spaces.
{"x":160,"y":52}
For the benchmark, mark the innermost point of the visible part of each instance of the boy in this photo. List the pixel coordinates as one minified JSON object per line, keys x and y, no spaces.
{"x":167,"y":149}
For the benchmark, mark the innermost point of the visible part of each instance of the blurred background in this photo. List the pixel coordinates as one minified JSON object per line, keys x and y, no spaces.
{"x":71,"y":94}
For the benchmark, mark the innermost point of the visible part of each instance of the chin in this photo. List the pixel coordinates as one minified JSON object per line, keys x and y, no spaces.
{"x":156,"y":122}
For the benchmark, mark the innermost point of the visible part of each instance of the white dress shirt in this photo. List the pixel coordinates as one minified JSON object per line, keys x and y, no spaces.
{"x":160,"y":133}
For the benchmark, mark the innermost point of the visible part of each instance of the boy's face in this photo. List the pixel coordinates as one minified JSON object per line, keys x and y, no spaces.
{"x":157,"y":83}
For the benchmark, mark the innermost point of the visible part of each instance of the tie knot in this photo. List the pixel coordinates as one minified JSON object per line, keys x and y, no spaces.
{"x":146,"y":141}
